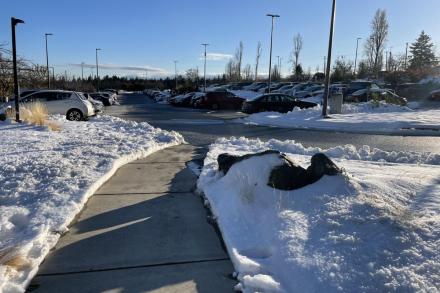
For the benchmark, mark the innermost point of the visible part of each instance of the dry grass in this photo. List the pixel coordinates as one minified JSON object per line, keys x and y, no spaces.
{"x":53,"y":126}
{"x":36,"y":114}
{"x":13,"y":260}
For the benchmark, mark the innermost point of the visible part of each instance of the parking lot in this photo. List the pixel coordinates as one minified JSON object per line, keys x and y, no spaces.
{"x":202,"y":127}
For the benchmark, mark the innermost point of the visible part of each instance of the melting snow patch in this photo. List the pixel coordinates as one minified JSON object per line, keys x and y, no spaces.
{"x":362,"y":117}
{"x":47,"y":176}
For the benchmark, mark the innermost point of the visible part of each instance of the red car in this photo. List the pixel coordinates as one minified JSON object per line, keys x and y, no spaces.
{"x":219,"y":100}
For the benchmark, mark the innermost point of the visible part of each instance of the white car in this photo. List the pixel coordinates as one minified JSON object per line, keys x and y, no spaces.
{"x":74,"y":105}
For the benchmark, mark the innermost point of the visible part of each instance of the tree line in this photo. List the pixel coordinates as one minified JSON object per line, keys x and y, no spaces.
{"x":417,"y":62}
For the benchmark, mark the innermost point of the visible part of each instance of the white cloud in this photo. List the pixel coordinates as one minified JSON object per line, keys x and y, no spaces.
{"x":149,"y":69}
{"x":215,"y":56}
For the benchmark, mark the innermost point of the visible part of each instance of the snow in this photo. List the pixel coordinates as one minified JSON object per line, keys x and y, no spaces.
{"x":47,"y":176}
{"x":374,"y":228}
{"x":356,"y":117}
{"x":247,"y":95}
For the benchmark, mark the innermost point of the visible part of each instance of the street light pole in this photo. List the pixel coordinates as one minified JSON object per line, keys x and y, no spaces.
{"x":355,"y":59}
{"x":281,"y":59}
{"x":53,"y":72}
{"x":329,"y":60}
{"x":82,"y":70}
{"x":14,"y":22}
{"x":270,"y":54}
{"x":204,"y":69}
{"x":47,"y":60}
{"x":175,"y":72}
{"x":97,"y":68}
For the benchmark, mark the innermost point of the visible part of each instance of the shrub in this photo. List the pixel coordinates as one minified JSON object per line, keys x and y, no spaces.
{"x":36,"y":114}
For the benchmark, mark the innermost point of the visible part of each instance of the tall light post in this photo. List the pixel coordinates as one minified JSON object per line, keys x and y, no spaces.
{"x":175,"y":72}
{"x":281,"y":60}
{"x":53,"y":72}
{"x":204,"y":69}
{"x":355,"y":59}
{"x":47,"y":60}
{"x":97,"y":67}
{"x":329,"y":60}
{"x":270,"y":54}
{"x":14,"y":22}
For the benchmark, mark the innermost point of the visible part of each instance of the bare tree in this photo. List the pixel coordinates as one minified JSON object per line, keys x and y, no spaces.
{"x":230,"y":70}
{"x":192,"y":74}
{"x":296,"y":51}
{"x":238,"y":60}
{"x":376,"y":43}
{"x":247,"y":72}
{"x":276,"y":75}
{"x":257,"y":59}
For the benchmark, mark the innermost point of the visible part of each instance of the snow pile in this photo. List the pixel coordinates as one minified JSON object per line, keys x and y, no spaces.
{"x":375,"y":228}
{"x":46,"y":177}
{"x":362,"y":117}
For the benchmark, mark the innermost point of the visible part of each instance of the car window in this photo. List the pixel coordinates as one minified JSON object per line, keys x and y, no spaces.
{"x":40,"y":97}
{"x":63,"y":96}
{"x":375,"y":86}
{"x":273,"y":99}
{"x":29,"y":99}
{"x":51,"y":96}
{"x":261,"y":100}
{"x":286,"y":99}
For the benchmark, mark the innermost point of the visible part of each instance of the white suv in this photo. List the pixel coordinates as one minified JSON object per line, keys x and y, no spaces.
{"x":74,"y":105}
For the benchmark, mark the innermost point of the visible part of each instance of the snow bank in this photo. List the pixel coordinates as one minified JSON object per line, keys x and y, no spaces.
{"x":46,"y":177}
{"x":363,"y":117}
{"x":375,"y":228}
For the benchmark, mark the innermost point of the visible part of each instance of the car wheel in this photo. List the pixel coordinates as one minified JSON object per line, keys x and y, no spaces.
{"x":74,"y":115}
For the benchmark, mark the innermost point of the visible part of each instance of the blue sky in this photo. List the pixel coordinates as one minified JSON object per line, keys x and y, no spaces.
{"x":154,"y":33}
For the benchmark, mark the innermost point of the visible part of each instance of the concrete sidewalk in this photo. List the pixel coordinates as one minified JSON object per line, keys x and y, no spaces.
{"x":143,"y":231}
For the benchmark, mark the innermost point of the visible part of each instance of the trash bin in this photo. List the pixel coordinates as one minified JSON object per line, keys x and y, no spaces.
{"x":335,"y":103}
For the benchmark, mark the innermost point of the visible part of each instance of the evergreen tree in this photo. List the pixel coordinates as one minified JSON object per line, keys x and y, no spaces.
{"x":422,"y":51}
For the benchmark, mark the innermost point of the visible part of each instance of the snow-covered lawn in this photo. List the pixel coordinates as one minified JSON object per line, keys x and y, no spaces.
{"x":374,"y":229}
{"x":363,"y":117}
{"x":47,"y":176}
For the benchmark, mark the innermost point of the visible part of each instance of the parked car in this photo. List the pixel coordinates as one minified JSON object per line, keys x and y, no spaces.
{"x":219,"y":100}
{"x":104,"y":100}
{"x":111,"y":97}
{"x":275,"y":102}
{"x":72,"y":104}
{"x":365,"y":95}
{"x":182,"y":100}
{"x":252,"y":86}
{"x":309,"y":91}
{"x":285,"y":89}
{"x":195,"y":99}
{"x":435,"y":95}
{"x":355,"y":86}
{"x":97,"y":105}
{"x":116,"y":92}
